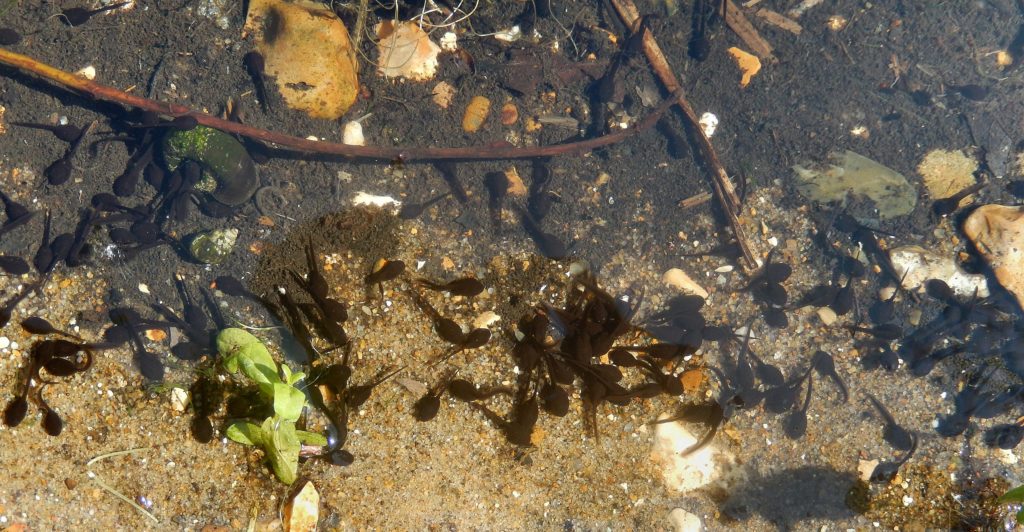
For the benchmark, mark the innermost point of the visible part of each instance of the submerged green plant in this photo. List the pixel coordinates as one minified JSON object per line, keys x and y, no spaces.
{"x":1015,"y":496}
{"x":277,"y":435}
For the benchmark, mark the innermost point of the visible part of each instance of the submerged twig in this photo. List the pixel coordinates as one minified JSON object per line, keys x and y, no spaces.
{"x":725,"y":191}
{"x":109,"y":489}
{"x":106,"y":93}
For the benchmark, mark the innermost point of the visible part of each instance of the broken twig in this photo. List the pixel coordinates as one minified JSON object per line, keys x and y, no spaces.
{"x":98,"y":91}
{"x":723,"y":188}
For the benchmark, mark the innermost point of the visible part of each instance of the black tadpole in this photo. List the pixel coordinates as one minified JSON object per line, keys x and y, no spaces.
{"x":76,"y":16}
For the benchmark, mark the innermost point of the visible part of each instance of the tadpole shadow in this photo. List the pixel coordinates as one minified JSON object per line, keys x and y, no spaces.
{"x":787,"y":497}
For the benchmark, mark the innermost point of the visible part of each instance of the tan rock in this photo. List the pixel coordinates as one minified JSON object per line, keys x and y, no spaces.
{"x":303,"y":511}
{"x":997,"y":231}
{"x":947,"y":172}
{"x":307,"y":50}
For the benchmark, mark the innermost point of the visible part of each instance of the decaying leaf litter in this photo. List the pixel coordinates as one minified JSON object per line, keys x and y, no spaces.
{"x":616,"y":215}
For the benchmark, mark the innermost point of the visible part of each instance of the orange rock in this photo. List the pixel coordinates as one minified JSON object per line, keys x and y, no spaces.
{"x":509,"y":114}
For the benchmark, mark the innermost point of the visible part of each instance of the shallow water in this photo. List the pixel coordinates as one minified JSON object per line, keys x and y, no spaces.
{"x":891,"y":82}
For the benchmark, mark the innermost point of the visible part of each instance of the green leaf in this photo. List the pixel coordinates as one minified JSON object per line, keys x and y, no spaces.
{"x":311,"y":438}
{"x":257,"y":364}
{"x":296,"y":377}
{"x":245,"y":433}
{"x":283,"y":450}
{"x":231,"y":339}
{"x":1014,"y":495}
{"x":288,"y":401}
{"x":1020,"y":517}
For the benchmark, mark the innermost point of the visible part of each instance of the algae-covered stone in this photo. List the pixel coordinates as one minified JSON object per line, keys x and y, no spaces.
{"x":212,"y":247}
{"x":852,"y":173}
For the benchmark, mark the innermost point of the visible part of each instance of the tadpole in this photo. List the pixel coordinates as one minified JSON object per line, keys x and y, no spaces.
{"x":64,"y":132}
{"x":12,"y":265}
{"x":9,"y":37}
{"x":410,"y":211}
{"x":76,"y":16}
{"x":466,"y":286}
{"x":254,"y":64}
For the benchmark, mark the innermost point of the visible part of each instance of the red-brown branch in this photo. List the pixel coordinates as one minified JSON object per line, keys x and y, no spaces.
{"x":102,"y":92}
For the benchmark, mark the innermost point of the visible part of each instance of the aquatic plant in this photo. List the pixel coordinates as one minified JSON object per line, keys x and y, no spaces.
{"x":1015,"y":496}
{"x":277,"y":435}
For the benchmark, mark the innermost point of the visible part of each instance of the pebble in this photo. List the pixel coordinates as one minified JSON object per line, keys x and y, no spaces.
{"x":179,"y":399}
{"x":678,"y":279}
{"x":827,"y":315}
{"x":997,"y":231}
{"x":682,"y":473}
{"x":683,"y":521}
{"x":5,"y":342}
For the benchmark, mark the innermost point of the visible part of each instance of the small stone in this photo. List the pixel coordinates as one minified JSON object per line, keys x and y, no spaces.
{"x":886,"y":292}
{"x":144,"y":288}
{"x":516,"y":187}
{"x":997,"y":231}
{"x":914,"y":317}
{"x":865,"y":468}
{"x":827,"y":315}
{"x":213,"y":246}
{"x":683,"y":521}
{"x":179,"y":399}
{"x":302,"y":512}
{"x":692,"y":380}
{"x":443,"y":93}
{"x":5,"y":342}
{"x":485,"y":320}
{"x":678,"y":279}
{"x":509,"y":114}
{"x":947,"y":172}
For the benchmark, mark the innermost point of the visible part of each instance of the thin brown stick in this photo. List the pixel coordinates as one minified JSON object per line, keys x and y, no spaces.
{"x":724,"y":190}
{"x":98,"y":91}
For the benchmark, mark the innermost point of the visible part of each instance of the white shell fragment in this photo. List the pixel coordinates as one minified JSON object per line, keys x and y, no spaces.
{"x":683,"y":521}
{"x":510,"y":35}
{"x":364,"y":198}
{"x":682,"y":473}
{"x":917,"y":265}
{"x":88,"y":73}
{"x":302,"y":512}
{"x":708,"y":122}
{"x":406,"y":51}
{"x":449,"y":41}
{"x":353,"y":134}
{"x":678,"y":279}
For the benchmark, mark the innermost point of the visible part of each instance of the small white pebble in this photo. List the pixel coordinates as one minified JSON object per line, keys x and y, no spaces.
{"x":144,"y":288}
{"x":5,"y":342}
{"x":908,"y":500}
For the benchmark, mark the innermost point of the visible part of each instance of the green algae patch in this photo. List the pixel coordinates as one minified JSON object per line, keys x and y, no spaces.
{"x":852,"y":173}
